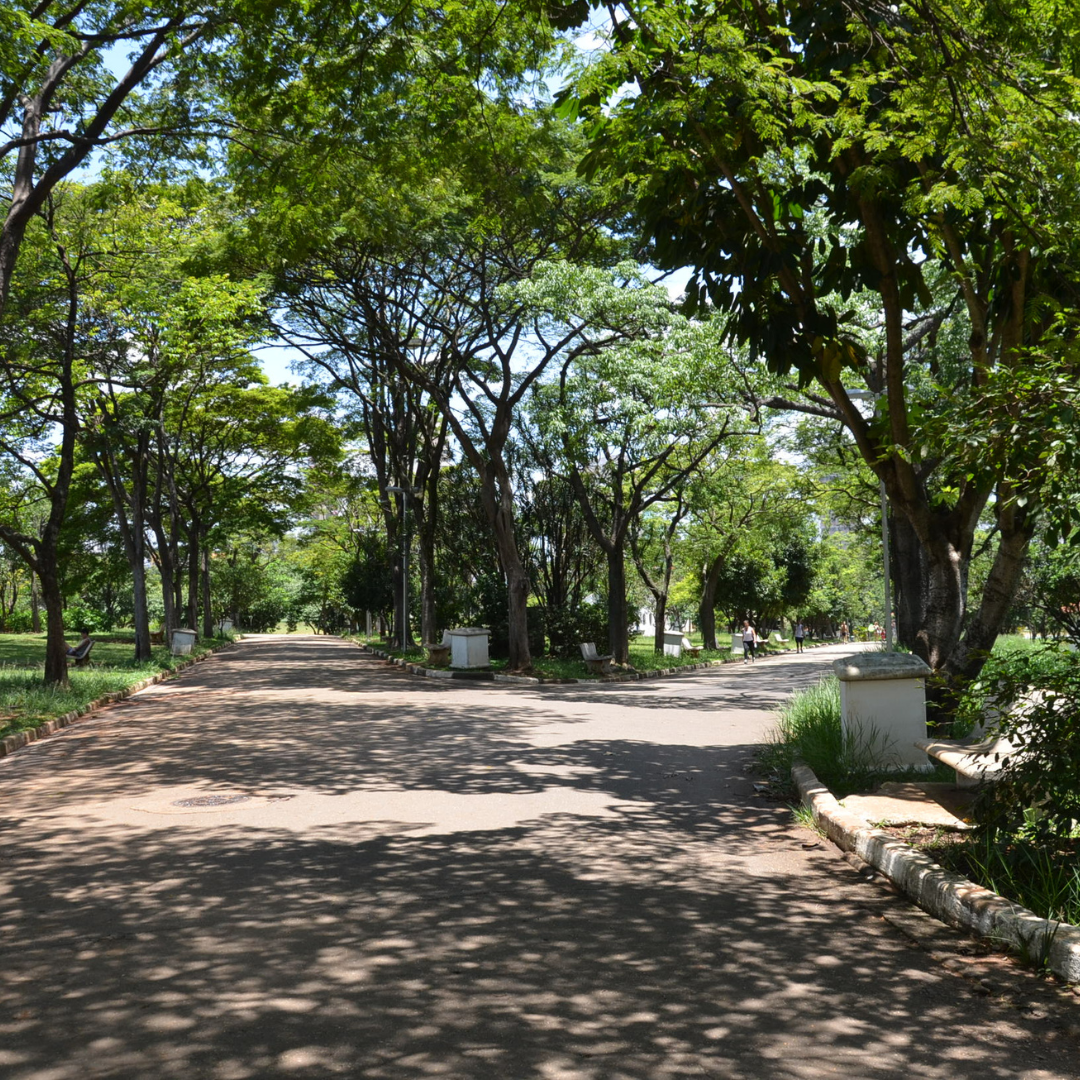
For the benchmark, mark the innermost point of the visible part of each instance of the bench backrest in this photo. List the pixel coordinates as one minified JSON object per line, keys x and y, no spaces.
{"x":588,"y":650}
{"x":82,"y":651}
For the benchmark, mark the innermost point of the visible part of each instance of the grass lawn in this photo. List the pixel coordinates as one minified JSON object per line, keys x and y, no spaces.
{"x":25,"y":702}
{"x":642,"y":658}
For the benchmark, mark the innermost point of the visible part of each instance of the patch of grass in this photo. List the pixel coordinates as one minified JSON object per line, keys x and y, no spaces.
{"x":26,"y":703}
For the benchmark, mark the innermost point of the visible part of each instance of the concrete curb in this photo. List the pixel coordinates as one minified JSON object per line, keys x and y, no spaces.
{"x":945,"y":895}
{"x":10,"y":743}
{"x":484,"y":676}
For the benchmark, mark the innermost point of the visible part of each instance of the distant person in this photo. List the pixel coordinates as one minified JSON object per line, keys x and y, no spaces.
{"x":749,"y":642}
{"x":83,"y":643}
{"x":800,"y":633}
{"x":843,"y":633}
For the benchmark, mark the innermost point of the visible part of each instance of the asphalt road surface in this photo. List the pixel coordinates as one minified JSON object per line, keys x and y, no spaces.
{"x":296,"y":861}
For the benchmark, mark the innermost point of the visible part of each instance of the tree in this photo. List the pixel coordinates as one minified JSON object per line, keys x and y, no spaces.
{"x":60,"y":103}
{"x":803,"y":157}
{"x":429,"y":300}
{"x":629,"y":407}
{"x":330,"y":306}
{"x":47,"y":335}
{"x":652,"y":544}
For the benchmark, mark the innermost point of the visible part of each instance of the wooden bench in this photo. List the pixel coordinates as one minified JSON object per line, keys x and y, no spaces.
{"x":974,"y":763}
{"x":597,"y":665}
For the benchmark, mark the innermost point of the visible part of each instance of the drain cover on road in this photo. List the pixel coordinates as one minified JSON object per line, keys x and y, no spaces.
{"x":212,"y":800}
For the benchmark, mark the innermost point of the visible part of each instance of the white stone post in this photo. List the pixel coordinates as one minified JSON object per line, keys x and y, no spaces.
{"x":883,"y":706}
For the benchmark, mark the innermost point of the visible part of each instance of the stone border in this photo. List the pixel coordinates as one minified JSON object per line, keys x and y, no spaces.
{"x":497,"y":676}
{"x":16,"y":741}
{"x":943,"y":894}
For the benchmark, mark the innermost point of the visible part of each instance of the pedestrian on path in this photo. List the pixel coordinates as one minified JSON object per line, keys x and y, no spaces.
{"x":800,"y":633}
{"x":749,"y":642}
{"x":843,"y":633}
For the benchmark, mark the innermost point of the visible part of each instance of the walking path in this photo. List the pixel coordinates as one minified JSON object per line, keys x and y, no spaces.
{"x":429,"y":878}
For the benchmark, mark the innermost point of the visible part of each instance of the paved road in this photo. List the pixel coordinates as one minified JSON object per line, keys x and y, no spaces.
{"x":436,"y":880}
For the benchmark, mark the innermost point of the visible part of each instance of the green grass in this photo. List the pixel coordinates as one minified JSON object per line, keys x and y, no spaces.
{"x":642,"y":658}
{"x":25,"y":702}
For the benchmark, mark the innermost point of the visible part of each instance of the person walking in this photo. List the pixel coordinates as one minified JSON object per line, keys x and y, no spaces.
{"x":843,"y":633}
{"x":800,"y":633}
{"x":749,"y":642}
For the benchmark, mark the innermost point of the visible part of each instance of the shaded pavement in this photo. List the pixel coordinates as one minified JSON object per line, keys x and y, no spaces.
{"x":420,"y":878}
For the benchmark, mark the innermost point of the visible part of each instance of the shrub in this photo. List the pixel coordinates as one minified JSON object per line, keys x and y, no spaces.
{"x":567,"y":627}
{"x":1036,"y":695}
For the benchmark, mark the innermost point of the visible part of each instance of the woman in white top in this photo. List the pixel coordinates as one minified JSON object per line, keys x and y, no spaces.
{"x":749,"y":642}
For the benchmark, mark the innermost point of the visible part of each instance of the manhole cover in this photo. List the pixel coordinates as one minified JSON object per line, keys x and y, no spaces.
{"x":212,"y":800}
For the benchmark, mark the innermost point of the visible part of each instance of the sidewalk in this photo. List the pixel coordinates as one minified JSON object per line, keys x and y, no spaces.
{"x":296,"y":861}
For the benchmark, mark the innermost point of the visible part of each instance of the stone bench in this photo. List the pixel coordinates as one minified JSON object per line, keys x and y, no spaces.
{"x":438,"y":654}
{"x":597,"y":665}
{"x":676,"y":643}
{"x":974,"y":763}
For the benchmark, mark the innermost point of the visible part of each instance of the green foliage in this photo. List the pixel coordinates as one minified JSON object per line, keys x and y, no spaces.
{"x":255,"y":590}
{"x":569,"y":626}
{"x":368,"y":581}
{"x":1043,"y":878}
{"x":1036,"y":693}
{"x":1049,"y":599}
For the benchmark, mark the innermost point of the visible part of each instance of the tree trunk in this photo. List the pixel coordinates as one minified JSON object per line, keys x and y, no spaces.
{"x":35,"y":604}
{"x":707,"y":608}
{"x":56,"y":664}
{"x":618,"y":629}
{"x":192,"y":611}
{"x":909,"y":578}
{"x":165,"y":566}
{"x":208,"y":615}
{"x":428,"y":619}
{"x":517,"y":580}
{"x":661,"y":623}
{"x":142,"y":619}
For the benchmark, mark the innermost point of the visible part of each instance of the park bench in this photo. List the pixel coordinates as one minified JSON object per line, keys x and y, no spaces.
{"x":597,"y":665}
{"x":81,"y":654}
{"x":439,"y":654}
{"x":974,"y":763}
{"x":157,"y":637}
{"x":775,"y":638}
{"x":676,"y":643}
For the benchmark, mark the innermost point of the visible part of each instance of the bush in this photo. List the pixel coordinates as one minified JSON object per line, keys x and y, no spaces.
{"x":568,"y":627}
{"x":1037,"y":695}
{"x":77,"y":615}
{"x":19,"y":622}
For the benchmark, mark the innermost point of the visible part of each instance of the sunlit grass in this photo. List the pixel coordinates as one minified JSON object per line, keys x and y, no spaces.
{"x":25,"y":701}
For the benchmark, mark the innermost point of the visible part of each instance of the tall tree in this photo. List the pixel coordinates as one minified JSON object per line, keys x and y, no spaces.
{"x":49,"y":340}
{"x":629,"y":406}
{"x":60,"y":101}
{"x":801,"y":157}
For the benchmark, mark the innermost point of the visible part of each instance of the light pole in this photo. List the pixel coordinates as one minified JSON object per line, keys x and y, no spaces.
{"x":869,"y":395}
{"x":404,"y":492}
